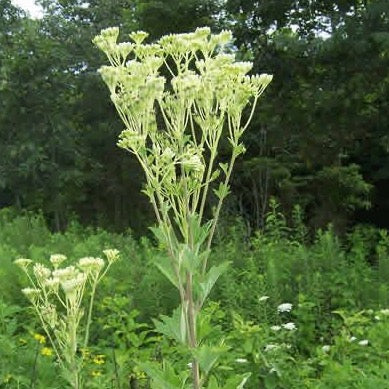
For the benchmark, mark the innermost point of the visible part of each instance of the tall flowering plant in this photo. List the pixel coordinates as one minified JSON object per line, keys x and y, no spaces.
{"x":177,"y":98}
{"x":58,"y":295}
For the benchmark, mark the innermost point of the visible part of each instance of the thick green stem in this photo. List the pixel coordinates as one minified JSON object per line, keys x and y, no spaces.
{"x":89,"y":319}
{"x":192,"y":331}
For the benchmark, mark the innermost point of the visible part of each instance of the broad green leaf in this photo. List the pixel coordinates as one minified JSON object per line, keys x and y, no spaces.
{"x":237,"y":382}
{"x":164,"y":377}
{"x":173,"y":327}
{"x":164,"y":264}
{"x":207,"y":356}
{"x":210,"y":279}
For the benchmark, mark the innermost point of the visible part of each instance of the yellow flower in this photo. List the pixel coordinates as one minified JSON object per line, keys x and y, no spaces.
{"x":7,"y":378}
{"x":40,"y":338}
{"x":96,"y":373}
{"x":22,"y":341}
{"x":48,"y":352}
{"x":84,"y":352}
{"x":99,"y":359}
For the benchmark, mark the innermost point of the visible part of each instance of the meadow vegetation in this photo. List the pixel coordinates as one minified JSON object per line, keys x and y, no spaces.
{"x":295,"y":311}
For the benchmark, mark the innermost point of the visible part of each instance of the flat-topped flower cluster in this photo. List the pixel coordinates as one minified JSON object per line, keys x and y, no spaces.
{"x":190,"y":87}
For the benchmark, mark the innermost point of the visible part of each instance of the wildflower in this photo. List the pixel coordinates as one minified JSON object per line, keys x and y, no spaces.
{"x":99,"y":359}
{"x":285,"y":307}
{"x":52,"y":283}
{"x":41,"y":271}
{"x":139,"y":36}
{"x":40,"y":338}
{"x":70,"y":286}
{"x":57,"y":259}
{"x":111,"y":254}
{"x":47,"y":351}
{"x":352,"y":338}
{"x":241,"y":360}
{"x":65,"y":273}
{"x":326,"y":348}
{"x":84,"y":352}
{"x":275,"y":328}
{"x":193,"y":163}
{"x":385,"y":312}
{"x":270,"y":347}
{"x":96,"y":373}
{"x":22,"y":262}
{"x":289,"y":326}
{"x":31,"y":293}
{"x":91,"y":263}
{"x":363,"y":342}
{"x":7,"y":378}
{"x":263,"y":298}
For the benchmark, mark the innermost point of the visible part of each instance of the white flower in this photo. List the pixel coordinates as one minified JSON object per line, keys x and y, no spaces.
{"x":91,"y":263}
{"x":193,"y":163}
{"x":263,"y":298}
{"x":270,"y":347}
{"x":285,"y":307}
{"x":41,"y":271}
{"x":65,"y":273}
{"x":385,"y":312}
{"x":52,"y":283}
{"x":363,"y":342}
{"x":70,"y":286}
{"x":326,"y":348}
{"x":352,"y":339}
{"x":111,"y":254}
{"x":189,"y":365}
{"x":275,"y":328}
{"x":57,"y":259}
{"x":241,"y":360}
{"x":22,"y":262}
{"x":31,"y":293}
{"x":289,"y":326}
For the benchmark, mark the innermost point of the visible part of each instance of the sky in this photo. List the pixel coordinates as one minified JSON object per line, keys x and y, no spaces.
{"x":29,"y":5}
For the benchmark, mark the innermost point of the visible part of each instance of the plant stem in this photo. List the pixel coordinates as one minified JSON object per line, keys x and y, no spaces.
{"x":192,"y":331}
{"x":89,"y":320}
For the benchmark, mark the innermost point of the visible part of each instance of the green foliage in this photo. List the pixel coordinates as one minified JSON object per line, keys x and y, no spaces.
{"x":338,"y":289}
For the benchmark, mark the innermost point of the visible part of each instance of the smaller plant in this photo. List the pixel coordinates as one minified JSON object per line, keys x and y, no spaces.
{"x":57,"y":295}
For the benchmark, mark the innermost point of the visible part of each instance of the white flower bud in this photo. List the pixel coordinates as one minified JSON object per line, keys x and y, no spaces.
{"x":31,"y":293}
{"x":57,"y":259}
{"x":285,"y":307}
{"x":41,"y":272}
{"x":91,"y":264}
{"x":22,"y":262}
{"x":111,"y":254}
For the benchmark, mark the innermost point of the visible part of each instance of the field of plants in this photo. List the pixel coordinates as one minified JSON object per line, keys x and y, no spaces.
{"x":294,"y":311}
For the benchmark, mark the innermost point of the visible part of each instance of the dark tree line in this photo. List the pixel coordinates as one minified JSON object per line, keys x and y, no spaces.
{"x":320,"y":138}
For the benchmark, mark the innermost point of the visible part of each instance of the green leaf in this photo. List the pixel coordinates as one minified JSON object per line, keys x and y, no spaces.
{"x":207,"y":356}
{"x":212,"y":383}
{"x":210,"y":279}
{"x":164,"y":377}
{"x":173,"y":327}
{"x":224,"y":167}
{"x":165,"y":265}
{"x":237,"y":382}
{"x":222,"y":191}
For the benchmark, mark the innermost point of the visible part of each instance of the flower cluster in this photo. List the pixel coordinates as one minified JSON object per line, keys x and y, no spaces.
{"x":206,"y":89}
{"x":57,"y":295}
